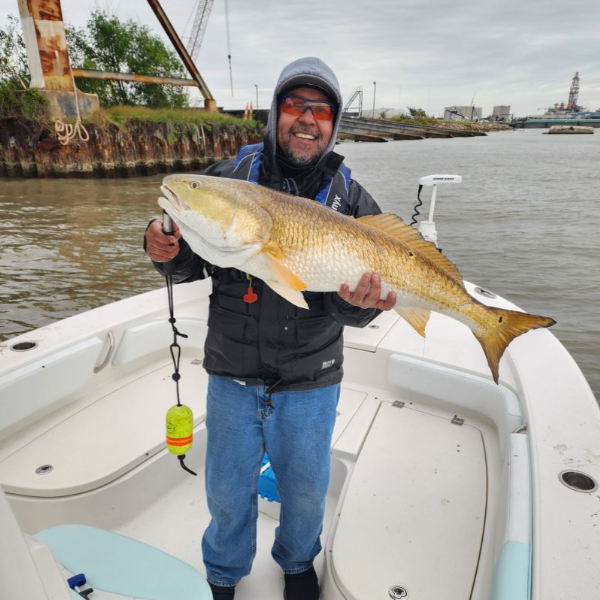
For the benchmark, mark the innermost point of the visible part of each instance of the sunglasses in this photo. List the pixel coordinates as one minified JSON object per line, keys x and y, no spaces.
{"x":297,"y":106}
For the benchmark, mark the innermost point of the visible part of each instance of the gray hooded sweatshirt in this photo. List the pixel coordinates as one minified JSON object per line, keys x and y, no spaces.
{"x":306,"y":71}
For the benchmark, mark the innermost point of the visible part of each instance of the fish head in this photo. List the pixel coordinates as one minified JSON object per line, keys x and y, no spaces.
{"x":218,"y":217}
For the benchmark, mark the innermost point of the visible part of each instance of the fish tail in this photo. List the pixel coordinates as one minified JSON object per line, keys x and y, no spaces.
{"x":509,"y":324}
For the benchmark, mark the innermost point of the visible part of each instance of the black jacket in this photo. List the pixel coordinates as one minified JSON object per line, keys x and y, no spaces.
{"x":271,"y":341}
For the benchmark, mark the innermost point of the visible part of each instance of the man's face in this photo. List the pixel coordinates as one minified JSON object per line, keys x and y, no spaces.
{"x":303,"y":140}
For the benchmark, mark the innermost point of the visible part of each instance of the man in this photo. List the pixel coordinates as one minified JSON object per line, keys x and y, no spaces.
{"x":275,"y":369}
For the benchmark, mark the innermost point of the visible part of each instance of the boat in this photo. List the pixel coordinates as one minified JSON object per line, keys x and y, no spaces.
{"x":570,"y":129}
{"x":443,"y":484}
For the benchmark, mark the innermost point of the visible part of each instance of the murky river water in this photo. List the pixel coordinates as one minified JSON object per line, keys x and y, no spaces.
{"x":525,"y":223}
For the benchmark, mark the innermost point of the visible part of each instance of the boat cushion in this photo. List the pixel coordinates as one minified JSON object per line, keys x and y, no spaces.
{"x":121,"y":565}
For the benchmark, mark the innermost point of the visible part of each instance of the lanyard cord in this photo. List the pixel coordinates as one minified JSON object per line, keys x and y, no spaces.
{"x":175,"y":348}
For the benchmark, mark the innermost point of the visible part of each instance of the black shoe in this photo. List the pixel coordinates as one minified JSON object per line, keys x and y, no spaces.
{"x":222,"y":593}
{"x":302,"y":586}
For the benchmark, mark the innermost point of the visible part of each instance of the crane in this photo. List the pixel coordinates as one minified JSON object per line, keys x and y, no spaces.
{"x":202,"y":10}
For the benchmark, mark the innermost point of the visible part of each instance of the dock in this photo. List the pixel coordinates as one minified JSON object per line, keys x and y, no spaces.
{"x":363,"y":129}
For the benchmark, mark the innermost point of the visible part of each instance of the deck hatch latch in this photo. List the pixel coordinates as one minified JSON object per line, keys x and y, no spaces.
{"x":398,"y":404}
{"x":456,"y":420}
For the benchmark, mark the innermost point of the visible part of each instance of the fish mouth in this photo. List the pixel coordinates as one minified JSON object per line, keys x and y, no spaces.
{"x":175,"y":203}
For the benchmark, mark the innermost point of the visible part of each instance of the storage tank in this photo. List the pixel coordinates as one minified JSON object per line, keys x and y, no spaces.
{"x":501,"y":113}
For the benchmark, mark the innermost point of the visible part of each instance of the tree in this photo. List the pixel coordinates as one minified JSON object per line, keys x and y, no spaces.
{"x":107,"y":44}
{"x":14,"y":70}
{"x":417,"y":113}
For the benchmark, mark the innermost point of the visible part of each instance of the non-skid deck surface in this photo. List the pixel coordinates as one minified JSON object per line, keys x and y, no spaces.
{"x":117,"y":432}
{"x":106,"y":439}
{"x":414,"y":510}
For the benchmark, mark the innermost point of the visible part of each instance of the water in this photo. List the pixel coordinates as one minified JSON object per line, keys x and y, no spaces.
{"x":525,"y":223}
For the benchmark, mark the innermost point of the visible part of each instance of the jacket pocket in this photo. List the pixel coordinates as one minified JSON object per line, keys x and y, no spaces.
{"x":232,"y":344}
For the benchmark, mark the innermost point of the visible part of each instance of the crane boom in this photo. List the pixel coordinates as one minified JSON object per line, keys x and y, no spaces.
{"x":198,"y":28}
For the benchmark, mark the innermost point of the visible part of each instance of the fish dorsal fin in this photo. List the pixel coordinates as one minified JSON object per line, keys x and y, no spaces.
{"x":395,"y":226}
{"x":282,"y":274}
{"x":417,"y":318}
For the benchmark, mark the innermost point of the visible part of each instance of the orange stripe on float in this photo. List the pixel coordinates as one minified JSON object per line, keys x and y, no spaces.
{"x":179,"y":441}
{"x":186,"y":440}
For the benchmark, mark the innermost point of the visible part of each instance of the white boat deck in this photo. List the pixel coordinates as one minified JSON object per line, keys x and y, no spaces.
{"x":419,"y":499}
{"x":392,"y":500}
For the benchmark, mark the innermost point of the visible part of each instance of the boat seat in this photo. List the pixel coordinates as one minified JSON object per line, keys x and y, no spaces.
{"x":123,"y":566}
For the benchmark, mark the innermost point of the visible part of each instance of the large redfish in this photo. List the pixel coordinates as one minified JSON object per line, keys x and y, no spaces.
{"x":294,"y":244}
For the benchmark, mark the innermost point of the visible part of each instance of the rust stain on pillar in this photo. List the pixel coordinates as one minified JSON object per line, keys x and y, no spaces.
{"x":52,"y":42}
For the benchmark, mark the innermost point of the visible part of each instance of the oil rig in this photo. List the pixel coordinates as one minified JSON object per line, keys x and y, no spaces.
{"x":562,"y":110}
{"x":570,"y":113}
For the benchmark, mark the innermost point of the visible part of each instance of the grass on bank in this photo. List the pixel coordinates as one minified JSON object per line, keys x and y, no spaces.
{"x":29,"y":104}
{"x":120,"y":115}
{"x":419,"y":120}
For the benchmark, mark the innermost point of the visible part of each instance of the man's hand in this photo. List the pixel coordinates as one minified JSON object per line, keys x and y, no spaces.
{"x":368,"y":293}
{"x":162,"y":248}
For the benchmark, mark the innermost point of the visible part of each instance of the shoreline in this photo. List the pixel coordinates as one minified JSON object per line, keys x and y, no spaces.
{"x":125,"y":142}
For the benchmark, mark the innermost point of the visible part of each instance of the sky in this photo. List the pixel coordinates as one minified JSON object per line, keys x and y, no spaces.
{"x":423,"y":53}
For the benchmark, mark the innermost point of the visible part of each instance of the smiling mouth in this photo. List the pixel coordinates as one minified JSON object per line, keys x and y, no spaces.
{"x":305,"y":136}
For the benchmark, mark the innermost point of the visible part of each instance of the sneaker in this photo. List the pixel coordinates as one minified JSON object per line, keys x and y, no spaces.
{"x":222,"y":593}
{"x":302,"y":586}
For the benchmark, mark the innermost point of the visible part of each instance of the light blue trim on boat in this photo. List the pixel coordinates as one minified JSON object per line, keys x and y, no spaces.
{"x":511,"y":576}
{"x":121,"y":565}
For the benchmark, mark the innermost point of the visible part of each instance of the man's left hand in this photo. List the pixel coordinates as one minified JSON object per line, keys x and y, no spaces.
{"x":368,"y":293}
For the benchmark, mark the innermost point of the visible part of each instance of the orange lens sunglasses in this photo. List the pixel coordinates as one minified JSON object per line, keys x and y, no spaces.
{"x":297,"y":106}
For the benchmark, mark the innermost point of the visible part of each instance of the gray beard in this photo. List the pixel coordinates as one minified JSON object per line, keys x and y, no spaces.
{"x":301,"y":160}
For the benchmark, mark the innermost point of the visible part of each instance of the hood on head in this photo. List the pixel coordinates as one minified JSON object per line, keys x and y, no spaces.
{"x":308,"y":71}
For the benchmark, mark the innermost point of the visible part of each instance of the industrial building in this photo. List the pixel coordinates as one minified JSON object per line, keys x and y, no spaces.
{"x":461,"y":113}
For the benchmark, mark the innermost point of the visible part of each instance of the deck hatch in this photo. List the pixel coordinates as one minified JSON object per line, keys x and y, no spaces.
{"x":418,"y":492}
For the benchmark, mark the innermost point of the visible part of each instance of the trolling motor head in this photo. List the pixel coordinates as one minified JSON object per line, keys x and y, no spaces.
{"x":427,"y":228}
{"x":437,"y":179}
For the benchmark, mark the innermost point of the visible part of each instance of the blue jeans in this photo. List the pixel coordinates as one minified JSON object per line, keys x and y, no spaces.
{"x":296,"y":433}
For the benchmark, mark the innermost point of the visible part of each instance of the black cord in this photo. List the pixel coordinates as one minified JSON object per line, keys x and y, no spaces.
{"x":181,"y":457}
{"x":417,"y":213}
{"x":175,"y":349}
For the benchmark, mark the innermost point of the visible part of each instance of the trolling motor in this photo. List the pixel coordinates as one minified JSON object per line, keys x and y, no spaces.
{"x":427,"y":228}
{"x":180,"y":420}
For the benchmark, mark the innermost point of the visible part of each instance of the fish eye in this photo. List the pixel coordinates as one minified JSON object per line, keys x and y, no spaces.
{"x":194,"y":185}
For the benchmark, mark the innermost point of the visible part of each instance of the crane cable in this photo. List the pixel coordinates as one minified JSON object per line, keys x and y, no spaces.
{"x":228,"y":44}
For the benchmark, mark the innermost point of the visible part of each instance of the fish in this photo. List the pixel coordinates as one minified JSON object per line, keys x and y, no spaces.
{"x":295,"y":244}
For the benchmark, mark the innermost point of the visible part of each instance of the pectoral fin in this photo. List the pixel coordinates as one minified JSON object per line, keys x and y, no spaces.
{"x":284,"y":281}
{"x":293,"y":296}
{"x":417,"y":318}
{"x":282,"y":273}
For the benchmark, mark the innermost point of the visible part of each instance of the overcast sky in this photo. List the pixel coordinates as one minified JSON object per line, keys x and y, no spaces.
{"x":424,"y":53}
